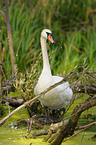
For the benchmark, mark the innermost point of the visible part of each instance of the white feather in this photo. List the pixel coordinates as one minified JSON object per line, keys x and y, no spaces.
{"x":59,"y":96}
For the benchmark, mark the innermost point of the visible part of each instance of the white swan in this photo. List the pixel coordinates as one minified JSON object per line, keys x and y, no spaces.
{"x":61,"y":95}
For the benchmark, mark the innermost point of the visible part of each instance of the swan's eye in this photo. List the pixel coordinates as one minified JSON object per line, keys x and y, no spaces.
{"x":50,"y":38}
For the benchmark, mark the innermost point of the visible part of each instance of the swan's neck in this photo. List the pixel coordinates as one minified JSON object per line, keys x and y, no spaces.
{"x":46,"y":66}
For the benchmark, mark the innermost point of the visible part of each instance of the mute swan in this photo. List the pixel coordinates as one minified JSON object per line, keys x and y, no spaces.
{"x":59,"y":96}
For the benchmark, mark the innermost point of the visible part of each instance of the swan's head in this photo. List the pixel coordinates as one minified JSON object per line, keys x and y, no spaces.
{"x":47,"y":34}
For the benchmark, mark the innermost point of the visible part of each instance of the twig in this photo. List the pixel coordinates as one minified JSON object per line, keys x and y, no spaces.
{"x":48,"y":135}
{"x":7,"y":103}
{"x":3,"y":14}
{"x":88,"y":126}
{"x":39,"y":134}
{"x":68,"y":128}
{"x":29,"y":130}
{"x":90,"y":64}
{"x":14,"y":111}
{"x":42,"y":93}
{"x":54,"y":136}
{"x":2,"y":9}
{"x":4,"y":63}
{"x":84,"y":71}
{"x":28,"y":102}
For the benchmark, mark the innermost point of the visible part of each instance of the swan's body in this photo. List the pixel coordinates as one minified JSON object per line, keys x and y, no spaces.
{"x":59,"y":96}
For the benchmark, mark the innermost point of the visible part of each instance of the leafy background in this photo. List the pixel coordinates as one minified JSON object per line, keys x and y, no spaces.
{"x":72,"y":22}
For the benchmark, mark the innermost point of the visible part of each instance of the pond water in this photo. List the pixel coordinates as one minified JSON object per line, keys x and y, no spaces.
{"x":14,"y":135}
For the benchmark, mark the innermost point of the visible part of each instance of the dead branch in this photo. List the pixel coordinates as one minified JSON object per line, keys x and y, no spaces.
{"x":7,"y":103}
{"x":22,"y":121}
{"x":90,"y":89}
{"x":68,"y":129}
{"x":26,"y":103}
{"x":7,"y":86}
{"x":13,"y":101}
{"x":48,"y":135}
{"x":38,"y":134}
{"x":87,"y":126}
{"x":14,"y":111}
{"x":10,"y":37}
{"x":5,"y":90}
{"x":42,"y":93}
{"x":1,"y":12}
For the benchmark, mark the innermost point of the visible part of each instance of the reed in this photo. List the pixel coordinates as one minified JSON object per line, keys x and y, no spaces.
{"x":72,"y":24}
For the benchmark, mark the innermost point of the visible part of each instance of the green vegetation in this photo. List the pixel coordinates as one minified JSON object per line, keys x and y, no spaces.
{"x":10,"y":134}
{"x":17,"y":136}
{"x":72,"y":24}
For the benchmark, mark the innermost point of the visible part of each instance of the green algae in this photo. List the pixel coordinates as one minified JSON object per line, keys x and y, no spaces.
{"x":17,"y":136}
{"x":14,"y":135}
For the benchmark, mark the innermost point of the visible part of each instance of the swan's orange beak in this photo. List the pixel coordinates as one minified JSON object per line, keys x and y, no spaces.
{"x":50,"y":39}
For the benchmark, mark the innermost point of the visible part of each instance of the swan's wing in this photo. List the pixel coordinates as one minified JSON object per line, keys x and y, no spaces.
{"x":64,"y":89}
{"x":57,"y":79}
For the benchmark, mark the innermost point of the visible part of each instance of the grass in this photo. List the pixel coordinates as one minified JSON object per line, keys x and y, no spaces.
{"x":74,"y":34}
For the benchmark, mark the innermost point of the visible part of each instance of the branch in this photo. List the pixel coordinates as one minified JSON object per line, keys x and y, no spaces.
{"x":91,"y":64}
{"x":14,"y":111}
{"x":3,"y":14}
{"x":39,"y":134}
{"x":68,"y":128}
{"x":10,"y":37}
{"x":90,"y":89}
{"x":13,"y":102}
{"x":42,"y":93}
{"x":87,"y":126}
{"x":28,"y":102}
